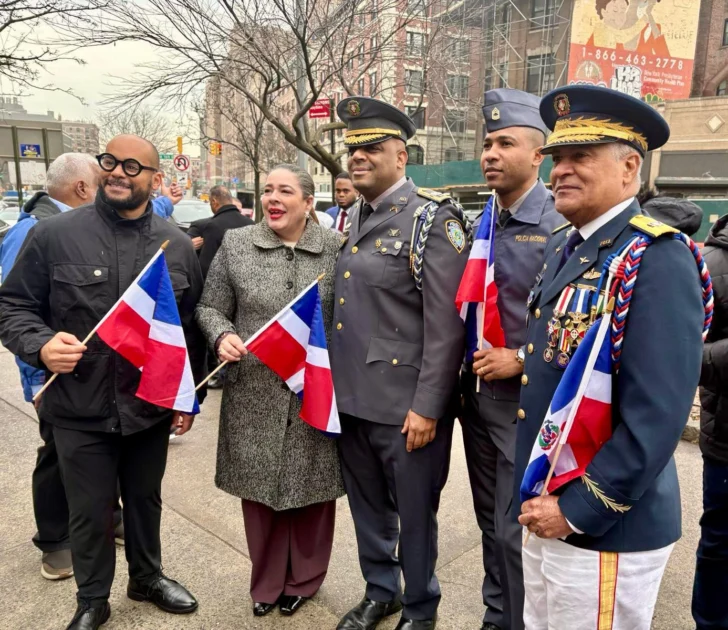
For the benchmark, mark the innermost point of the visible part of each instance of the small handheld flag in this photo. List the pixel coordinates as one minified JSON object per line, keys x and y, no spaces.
{"x":477,"y":296}
{"x":293,"y":345}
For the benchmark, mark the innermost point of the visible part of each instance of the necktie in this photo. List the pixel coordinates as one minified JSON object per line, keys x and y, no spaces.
{"x":342,"y":219}
{"x":503,"y":216}
{"x":366,"y":212}
{"x":575,"y":239}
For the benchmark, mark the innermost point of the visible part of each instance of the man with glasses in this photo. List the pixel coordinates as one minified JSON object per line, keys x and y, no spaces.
{"x":72,"y":269}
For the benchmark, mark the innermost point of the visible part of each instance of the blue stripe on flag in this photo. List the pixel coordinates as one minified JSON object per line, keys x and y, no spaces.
{"x":166,"y":309}
{"x":318,"y":333}
{"x":305,"y":306}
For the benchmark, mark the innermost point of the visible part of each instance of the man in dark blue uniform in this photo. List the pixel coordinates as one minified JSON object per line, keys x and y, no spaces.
{"x":396,"y":352}
{"x":526,"y":218}
{"x":601,"y":542}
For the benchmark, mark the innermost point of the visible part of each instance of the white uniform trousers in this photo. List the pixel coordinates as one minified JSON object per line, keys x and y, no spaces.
{"x":568,"y":588}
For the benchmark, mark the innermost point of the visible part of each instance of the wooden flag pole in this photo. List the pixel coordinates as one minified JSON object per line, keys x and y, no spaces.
{"x":85,"y":341}
{"x":224,"y":363}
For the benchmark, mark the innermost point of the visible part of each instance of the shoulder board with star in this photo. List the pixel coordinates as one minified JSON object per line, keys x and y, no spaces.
{"x":432,"y":195}
{"x":651,"y":227}
{"x":561,"y":227}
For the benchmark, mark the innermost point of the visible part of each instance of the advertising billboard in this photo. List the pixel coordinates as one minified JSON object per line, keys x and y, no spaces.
{"x":644,"y":48}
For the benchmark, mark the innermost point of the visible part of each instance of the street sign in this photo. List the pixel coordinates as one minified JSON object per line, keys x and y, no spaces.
{"x":320,"y":109}
{"x":166,"y":156}
{"x":30,"y":150}
{"x":181,"y":162}
{"x":234,"y":180}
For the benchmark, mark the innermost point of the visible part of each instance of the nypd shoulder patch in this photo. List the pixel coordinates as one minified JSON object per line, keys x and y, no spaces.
{"x":651,"y":227}
{"x":455,"y":234}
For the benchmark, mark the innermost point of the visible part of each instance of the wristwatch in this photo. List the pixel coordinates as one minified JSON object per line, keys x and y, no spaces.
{"x":521,"y":355}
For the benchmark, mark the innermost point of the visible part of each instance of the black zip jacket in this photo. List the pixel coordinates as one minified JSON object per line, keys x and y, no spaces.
{"x":714,"y":375}
{"x":70,"y":271}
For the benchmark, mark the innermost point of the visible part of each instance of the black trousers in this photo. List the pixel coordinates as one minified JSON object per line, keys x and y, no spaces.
{"x":394,"y":497}
{"x":49,"y":497}
{"x":91,"y":462}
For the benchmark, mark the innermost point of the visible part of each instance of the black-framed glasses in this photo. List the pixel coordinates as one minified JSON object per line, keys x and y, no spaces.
{"x":131,"y":166}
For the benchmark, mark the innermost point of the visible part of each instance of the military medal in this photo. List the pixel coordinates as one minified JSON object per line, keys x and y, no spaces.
{"x":564,"y":299}
{"x":562,"y":359}
{"x":398,"y":245}
{"x":548,"y":355}
{"x":393,"y":232}
{"x":592,"y":274}
{"x":378,"y":243}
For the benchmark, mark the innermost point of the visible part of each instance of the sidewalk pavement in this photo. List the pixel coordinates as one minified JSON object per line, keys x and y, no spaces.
{"x":204,"y":543}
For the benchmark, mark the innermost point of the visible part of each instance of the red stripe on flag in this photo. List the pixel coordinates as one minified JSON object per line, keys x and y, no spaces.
{"x":162,"y":374}
{"x":472,"y":285}
{"x":492,"y":329}
{"x":279,"y":351}
{"x":318,"y":394}
{"x":127,"y":333}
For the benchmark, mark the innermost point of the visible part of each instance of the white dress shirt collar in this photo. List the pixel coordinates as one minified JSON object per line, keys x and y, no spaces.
{"x":590,"y":228}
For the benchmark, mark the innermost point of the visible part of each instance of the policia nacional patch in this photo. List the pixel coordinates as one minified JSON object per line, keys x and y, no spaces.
{"x":455,"y":234}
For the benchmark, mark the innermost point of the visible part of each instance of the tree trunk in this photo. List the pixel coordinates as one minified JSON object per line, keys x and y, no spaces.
{"x":258,"y":216}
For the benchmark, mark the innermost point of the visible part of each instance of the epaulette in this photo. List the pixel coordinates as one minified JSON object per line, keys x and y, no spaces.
{"x":561,"y":227}
{"x":651,"y":227}
{"x":437,"y":197}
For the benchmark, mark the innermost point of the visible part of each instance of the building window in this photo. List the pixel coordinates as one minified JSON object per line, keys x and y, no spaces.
{"x":416,"y":7}
{"x":541,"y":75}
{"x":417,"y":114}
{"x":374,"y":10}
{"x":413,"y":81}
{"x":541,"y":8}
{"x":457,"y":86}
{"x":453,"y":155}
{"x":722,"y":89}
{"x":455,"y":121}
{"x":415,"y":43}
{"x":459,"y":49}
{"x":373,"y":44}
{"x":725,"y":33}
{"x":361,"y":87}
{"x":372,"y":83}
{"x":361,"y":52}
{"x":415,"y":154}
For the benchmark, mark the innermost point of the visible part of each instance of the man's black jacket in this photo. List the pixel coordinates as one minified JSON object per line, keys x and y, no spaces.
{"x":226,"y":218}
{"x":70,"y":271}
{"x":714,"y":375}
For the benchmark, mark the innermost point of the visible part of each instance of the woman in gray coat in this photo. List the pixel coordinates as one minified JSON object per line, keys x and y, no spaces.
{"x":286,"y":472}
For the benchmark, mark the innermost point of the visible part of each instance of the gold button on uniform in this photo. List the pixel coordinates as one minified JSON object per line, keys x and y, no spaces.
{"x":384,"y":249}
{"x":530,"y":348}
{"x":354,"y":249}
{"x":394,"y":361}
{"x":524,"y":380}
{"x":537,"y":313}
{"x":339,"y":326}
{"x":347,"y":274}
{"x":521,"y":414}
{"x":342,"y":300}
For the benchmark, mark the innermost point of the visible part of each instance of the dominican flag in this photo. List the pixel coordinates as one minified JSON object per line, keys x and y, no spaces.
{"x":477,"y":296}
{"x":144,"y":327}
{"x":293,"y":345}
{"x":579,"y":417}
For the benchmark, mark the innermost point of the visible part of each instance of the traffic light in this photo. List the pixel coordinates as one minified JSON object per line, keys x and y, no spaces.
{"x":219,"y":148}
{"x":179,"y":144}
{"x":215,"y":148}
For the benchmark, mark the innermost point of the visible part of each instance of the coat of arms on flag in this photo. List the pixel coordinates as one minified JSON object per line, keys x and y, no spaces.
{"x":477,"y":296}
{"x":145,"y":328}
{"x":293,"y":345}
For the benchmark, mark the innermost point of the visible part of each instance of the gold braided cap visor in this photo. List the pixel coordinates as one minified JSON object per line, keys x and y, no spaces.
{"x":594,"y":131}
{"x":360,"y":136}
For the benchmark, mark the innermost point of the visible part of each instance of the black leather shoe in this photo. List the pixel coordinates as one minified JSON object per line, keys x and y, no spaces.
{"x":367,"y":614}
{"x":291,"y":603}
{"x":416,"y":624}
{"x":261,"y":609}
{"x":163,"y":592}
{"x":488,"y":625}
{"x":87,"y":618}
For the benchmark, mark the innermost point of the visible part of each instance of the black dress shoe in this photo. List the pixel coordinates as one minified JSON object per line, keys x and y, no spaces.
{"x":87,"y":618}
{"x":165,"y":593}
{"x":416,"y":624}
{"x":291,"y":603}
{"x":367,"y":614}
{"x":260,"y":609}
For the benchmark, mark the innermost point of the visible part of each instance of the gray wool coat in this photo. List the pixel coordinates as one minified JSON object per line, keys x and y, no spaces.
{"x":266,"y":453}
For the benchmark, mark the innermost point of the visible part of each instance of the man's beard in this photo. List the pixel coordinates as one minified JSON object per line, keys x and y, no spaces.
{"x":137,"y":198}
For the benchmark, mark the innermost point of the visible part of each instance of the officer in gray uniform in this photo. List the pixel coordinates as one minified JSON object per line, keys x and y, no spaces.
{"x":526,"y":218}
{"x":396,"y":350}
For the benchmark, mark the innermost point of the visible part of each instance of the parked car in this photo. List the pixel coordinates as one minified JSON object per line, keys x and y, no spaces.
{"x":9,"y":214}
{"x":189,"y":210}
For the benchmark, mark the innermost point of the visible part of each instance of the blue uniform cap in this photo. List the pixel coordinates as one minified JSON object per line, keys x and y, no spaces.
{"x":588,"y":114}
{"x":505,"y":107}
{"x":370,"y":121}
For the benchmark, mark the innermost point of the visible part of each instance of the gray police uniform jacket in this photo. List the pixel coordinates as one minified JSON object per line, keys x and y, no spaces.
{"x":629,"y":499}
{"x":519,"y":252}
{"x":394,"y":347}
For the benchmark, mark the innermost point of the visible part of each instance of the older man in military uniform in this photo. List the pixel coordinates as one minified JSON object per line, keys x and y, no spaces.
{"x":526,"y":218}
{"x":602,"y":540}
{"x":395,"y":355}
